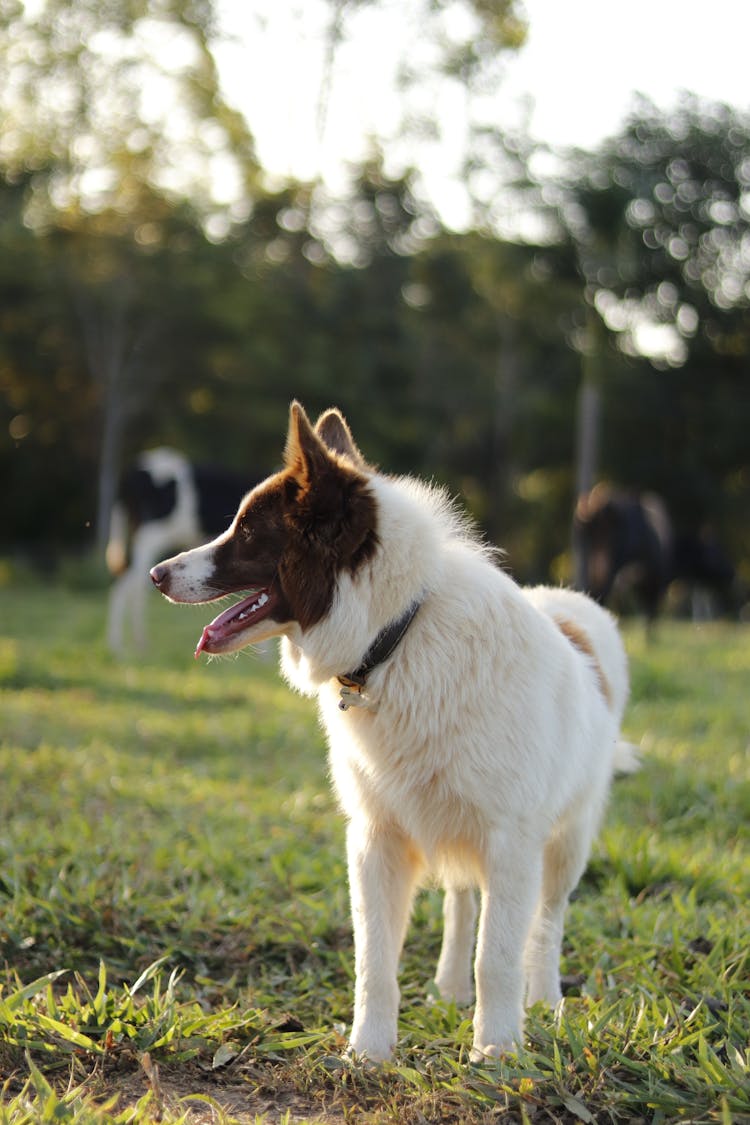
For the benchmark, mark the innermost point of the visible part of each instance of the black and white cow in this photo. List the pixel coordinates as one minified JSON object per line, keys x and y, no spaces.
{"x":164,"y":503}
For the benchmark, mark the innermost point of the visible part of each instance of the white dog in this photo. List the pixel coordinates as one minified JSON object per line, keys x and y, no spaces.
{"x":473,"y":726}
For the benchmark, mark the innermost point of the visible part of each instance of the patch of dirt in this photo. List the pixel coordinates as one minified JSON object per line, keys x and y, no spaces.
{"x":190,"y":1088}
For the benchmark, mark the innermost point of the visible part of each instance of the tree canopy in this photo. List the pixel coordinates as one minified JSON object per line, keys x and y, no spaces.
{"x":134,"y":312}
{"x":661,"y":219}
{"x":100,"y":99}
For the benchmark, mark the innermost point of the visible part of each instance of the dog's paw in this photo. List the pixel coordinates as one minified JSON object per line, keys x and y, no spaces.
{"x":460,"y":993}
{"x":371,"y":1049}
{"x":544,"y":992}
{"x":487,"y":1052}
{"x":369,"y":1059}
{"x":495,"y":1039}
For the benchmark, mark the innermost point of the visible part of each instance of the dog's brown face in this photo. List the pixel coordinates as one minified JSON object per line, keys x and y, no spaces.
{"x":291,"y":538}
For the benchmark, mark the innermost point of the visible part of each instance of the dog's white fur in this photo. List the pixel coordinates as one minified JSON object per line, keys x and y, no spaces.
{"x":482,"y":758}
{"x":485,"y":759}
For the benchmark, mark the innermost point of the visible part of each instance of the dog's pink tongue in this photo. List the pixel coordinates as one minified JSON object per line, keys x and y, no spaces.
{"x":212,"y":632}
{"x":205,"y":638}
{"x":235,"y":619}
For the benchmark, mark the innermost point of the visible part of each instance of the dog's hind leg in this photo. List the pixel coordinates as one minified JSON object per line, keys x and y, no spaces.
{"x":453,"y":976}
{"x":383,"y":869}
{"x":510,"y":882}
{"x":565,"y":856}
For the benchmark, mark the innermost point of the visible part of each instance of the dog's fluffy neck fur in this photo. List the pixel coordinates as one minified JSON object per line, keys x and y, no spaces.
{"x":417,"y":524}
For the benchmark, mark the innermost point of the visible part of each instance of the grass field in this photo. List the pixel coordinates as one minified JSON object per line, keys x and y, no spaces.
{"x":174,"y":933}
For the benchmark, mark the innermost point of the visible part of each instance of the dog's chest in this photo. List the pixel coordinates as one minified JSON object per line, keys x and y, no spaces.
{"x":393,"y":776}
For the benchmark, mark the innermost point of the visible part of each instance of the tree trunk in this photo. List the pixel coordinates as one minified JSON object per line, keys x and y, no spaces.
{"x":587,"y":435}
{"x":506,"y":382}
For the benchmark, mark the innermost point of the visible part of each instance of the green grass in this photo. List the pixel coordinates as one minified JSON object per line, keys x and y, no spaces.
{"x":174,"y":932}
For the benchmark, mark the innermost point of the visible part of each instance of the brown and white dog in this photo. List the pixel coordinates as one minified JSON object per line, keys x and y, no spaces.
{"x":473,"y":726}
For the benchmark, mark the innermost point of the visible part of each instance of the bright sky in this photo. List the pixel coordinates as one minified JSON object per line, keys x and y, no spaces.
{"x":583,"y":61}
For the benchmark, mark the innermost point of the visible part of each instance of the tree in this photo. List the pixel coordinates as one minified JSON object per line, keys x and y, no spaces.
{"x":460,"y":41}
{"x":100,"y":99}
{"x":110,"y":110}
{"x":661,"y":221}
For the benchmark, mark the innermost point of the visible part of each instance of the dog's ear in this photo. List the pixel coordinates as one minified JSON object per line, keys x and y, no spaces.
{"x":332,"y":507}
{"x":332,"y":428}
{"x":305,"y":454}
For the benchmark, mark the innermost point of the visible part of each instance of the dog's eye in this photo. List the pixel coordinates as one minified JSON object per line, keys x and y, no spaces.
{"x":244,"y":530}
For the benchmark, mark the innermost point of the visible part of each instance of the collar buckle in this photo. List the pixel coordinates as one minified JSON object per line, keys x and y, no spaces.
{"x":353,"y":683}
{"x":352,"y":695}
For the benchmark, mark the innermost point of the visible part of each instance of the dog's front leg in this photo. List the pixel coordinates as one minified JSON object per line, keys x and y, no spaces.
{"x":510,"y":888}
{"x":382,"y":875}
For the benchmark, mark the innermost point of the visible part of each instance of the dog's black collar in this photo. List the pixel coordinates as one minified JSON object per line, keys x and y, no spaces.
{"x":385,"y":643}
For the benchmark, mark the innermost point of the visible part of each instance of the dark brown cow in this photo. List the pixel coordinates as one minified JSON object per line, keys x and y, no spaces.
{"x":628,"y":542}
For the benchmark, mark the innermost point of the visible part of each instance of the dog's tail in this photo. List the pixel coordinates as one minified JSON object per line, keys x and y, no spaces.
{"x":627,"y":758}
{"x":116,"y":553}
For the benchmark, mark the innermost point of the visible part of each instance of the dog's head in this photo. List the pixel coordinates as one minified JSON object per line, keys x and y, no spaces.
{"x":291,"y":538}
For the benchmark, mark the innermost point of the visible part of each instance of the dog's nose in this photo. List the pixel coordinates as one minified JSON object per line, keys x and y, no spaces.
{"x":158,"y":574}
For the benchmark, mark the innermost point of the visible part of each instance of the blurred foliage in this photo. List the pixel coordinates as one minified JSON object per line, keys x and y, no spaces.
{"x":661,"y":219}
{"x":133,"y":313}
{"x":101,"y":99}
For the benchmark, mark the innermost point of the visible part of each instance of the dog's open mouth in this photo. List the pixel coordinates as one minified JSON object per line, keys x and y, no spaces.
{"x":223,"y":632}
